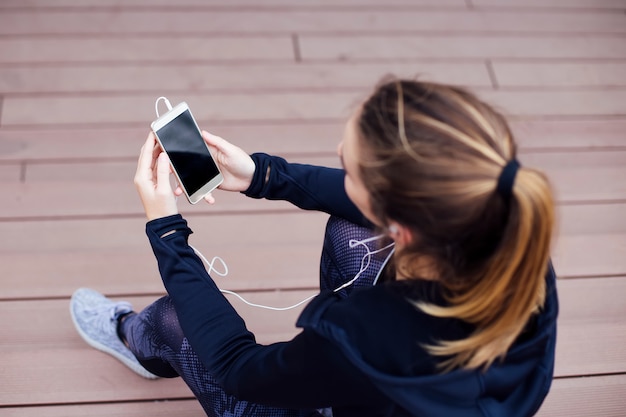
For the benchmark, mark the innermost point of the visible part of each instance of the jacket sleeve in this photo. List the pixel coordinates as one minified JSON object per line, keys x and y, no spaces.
{"x":307,"y":371}
{"x":308,"y":187}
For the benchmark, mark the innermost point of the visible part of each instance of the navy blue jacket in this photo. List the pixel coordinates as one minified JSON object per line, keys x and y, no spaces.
{"x":361,"y":355}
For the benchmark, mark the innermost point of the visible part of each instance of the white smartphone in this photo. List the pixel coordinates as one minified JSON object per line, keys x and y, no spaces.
{"x":178,"y":134}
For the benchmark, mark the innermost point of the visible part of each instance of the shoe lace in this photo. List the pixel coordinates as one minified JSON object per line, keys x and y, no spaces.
{"x":110,"y":312}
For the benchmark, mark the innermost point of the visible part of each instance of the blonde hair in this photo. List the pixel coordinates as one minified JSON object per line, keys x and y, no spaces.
{"x":431,"y":156}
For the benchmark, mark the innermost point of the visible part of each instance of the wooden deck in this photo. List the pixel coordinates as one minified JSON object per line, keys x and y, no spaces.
{"x":78,"y":80}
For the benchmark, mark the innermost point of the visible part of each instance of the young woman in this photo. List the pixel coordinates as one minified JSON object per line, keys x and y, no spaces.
{"x":459,"y":320}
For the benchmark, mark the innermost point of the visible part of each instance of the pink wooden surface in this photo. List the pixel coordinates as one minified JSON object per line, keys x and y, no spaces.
{"x":368,"y":47}
{"x":174,"y":22}
{"x":62,"y":144}
{"x":77,"y":86}
{"x":236,"y":4}
{"x":176,"y":77}
{"x":134,"y":110}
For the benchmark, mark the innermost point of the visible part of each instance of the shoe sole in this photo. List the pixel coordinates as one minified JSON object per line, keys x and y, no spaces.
{"x":137,"y":368}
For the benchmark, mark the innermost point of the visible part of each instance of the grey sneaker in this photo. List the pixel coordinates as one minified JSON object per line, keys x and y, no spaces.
{"x":95,"y":318}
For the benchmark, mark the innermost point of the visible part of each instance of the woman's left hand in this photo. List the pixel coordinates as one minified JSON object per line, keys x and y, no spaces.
{"x":152,"y":180}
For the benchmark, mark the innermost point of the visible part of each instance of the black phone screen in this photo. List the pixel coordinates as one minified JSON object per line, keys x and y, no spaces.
{"x":188,"y":152}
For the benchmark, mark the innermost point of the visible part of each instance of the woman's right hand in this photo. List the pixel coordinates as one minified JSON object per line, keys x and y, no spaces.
{"x":235,"y":164}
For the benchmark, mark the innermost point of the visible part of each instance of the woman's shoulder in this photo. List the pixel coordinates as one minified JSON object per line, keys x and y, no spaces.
{"x":390,"y":331}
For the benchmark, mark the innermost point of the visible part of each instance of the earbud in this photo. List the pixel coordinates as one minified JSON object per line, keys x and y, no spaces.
{"x":393,"y":229}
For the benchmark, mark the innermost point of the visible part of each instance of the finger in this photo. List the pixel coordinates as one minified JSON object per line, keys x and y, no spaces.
{"x":209,"y":198}
{"x":163,"y":172}
{"x":178,"y":191}
{"x":156,"y":151}
{"x":146,"y":158}
{"x":215,"y":141}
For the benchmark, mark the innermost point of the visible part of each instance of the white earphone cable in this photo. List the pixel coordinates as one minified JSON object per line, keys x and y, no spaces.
{"x":167,"y":104}
{"x":365,"y":262}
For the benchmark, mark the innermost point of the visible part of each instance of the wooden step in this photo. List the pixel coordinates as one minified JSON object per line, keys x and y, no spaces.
{"x":42,"y":344}
{"x":176,"y":22}
{"x":104,"y":188}
{"x":137,"y":110}
{"x":295,"y":139}
{"x":586,"y":396}
{"x":159,"y":408}
{"x":575,"y":397}
{"x":174,"y":77}
{"x":115,"y":253}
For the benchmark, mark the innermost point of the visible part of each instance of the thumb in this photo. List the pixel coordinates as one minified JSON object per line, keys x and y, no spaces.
{"x":215,"y":141}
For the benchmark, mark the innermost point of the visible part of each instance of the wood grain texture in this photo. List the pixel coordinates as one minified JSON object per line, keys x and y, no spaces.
{"x":612,"y":5}
{"x":114,"y":255}
{"x":271,"y":4}
{"x":292,"y":140}
{"x":158,"y":408}
{"x":44,"y":344}
{"x":560,"y":74}
{"x":175,"y":22}
{"x":46,"y":327}
{"x":78,"y":82}
{"x":146,"y":48}
{"x":178,"y":79}
{"x":347,"y":48}
{"x":101,"y":188}
{"x":209,"y":108}
{"x":583,"y":397}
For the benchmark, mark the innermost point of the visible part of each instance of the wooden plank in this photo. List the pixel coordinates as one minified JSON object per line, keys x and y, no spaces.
{"x":591,"y":240}
{"x":160,"y":408}
{"x":10,"y":173}
{"x":560,"y":74}
{"x":175,"y":22}
{"x":202,"y":77}
{"x":87,"y":374}
{"x":347,"y":48}
{"x":565,"y":4}
{"x":146,"y":48}
{"x":105,"y":188}
{"x":583,"y":176}
{"x":308,"y":4}
{"x":55,"y":329}
{"x":44,"y":328}
{"x":124,"y":143}
{"x":591,"y":255}
{"x":591,"y":322}
{"x":138,"y":109}
{"x":282,"y":139}
{"x":36,"y":356}
{"x":575,"y":397}
{"x":77,"y":375}
{"x":577,"y":176}
{"x":587,"y":396}
{"x":591,"y":219}
{"x":557,"y":103}
{"x":106,"y":198}
{"x":319,"y":4}
{"x":114,"y":254}
{"x":545,"y":134}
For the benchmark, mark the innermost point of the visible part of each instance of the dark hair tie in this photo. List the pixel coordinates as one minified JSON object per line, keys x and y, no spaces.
{"x":507,"y":179}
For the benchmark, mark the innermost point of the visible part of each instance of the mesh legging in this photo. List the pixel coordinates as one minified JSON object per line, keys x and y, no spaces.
{"x":155,"y":337}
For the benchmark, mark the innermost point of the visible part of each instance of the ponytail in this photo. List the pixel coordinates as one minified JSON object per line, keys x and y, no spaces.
{"x":512,"y":286}
{"x":440,"y":162}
